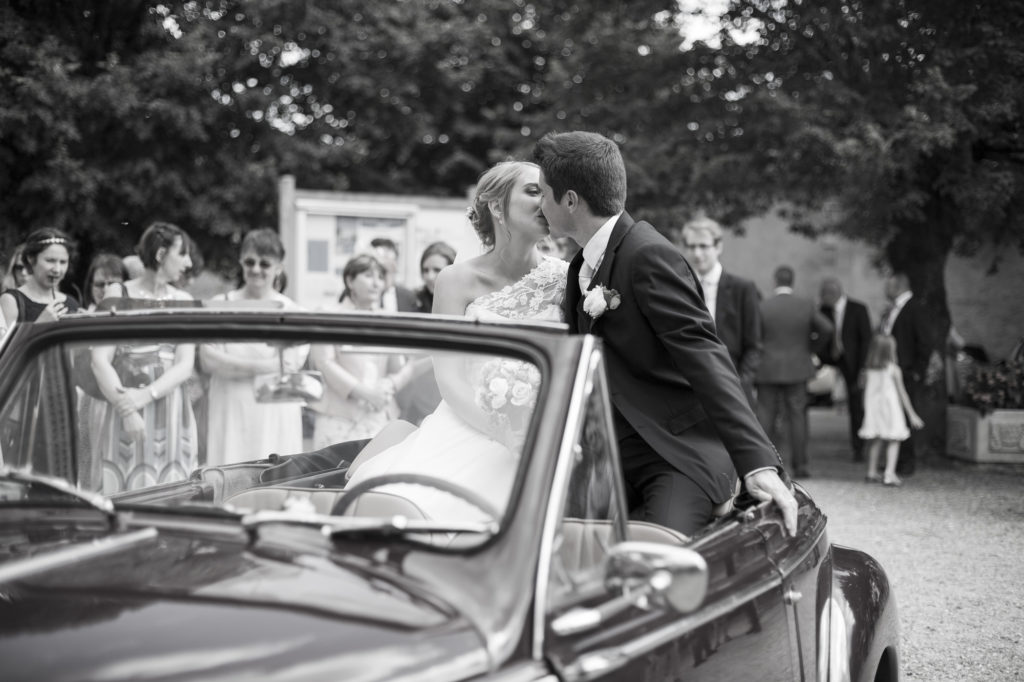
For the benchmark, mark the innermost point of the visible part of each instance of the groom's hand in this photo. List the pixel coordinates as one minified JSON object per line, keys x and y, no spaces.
{"x":765,"y":484}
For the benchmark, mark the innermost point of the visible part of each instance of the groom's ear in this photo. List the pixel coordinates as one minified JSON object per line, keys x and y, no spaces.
{"x":572,"y":199}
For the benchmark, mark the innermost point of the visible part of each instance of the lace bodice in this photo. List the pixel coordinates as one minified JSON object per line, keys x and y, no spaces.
{"x":537,"y":296}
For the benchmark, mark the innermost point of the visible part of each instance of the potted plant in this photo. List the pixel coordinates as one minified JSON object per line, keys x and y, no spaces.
{"x":988,"y":425}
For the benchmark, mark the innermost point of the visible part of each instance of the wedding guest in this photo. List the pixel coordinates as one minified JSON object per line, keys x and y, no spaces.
{"x":240,"y":428}
{"x":15,"y":275}
{"x":360,"y":396}
{"x":847,"y":350}
{"x":790,"y":325}
{"x":146,"y":431}
{"x":906,"y":319}
{"x":435,"y":257}
{"x":105,"y":271}
{"x":394,"y":297}
{"x":887,"y":408}
{"x":734,"y":302}
{"x":45,"y":257}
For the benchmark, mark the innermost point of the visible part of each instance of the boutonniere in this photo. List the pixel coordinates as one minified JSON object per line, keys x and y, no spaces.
{"x":599,"y":300}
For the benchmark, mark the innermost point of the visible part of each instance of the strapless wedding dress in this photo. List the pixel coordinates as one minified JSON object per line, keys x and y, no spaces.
{"x":446,"y":446}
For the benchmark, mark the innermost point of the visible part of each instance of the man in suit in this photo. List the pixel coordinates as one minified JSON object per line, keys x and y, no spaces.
{"x":683,"y":423}
{"x":848,"y":350}
{"x":791,"y":325}
{"x":395,"y":298}
{"x":734,"y":302}
{"x":907,"y":321}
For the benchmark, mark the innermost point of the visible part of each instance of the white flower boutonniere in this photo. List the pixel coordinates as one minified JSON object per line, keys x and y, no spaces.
{"x":599,"y":300}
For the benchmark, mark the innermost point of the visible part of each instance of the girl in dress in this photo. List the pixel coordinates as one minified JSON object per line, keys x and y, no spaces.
{"x":45,"y":258}
{"x":240,"y":428}
{"x":360,"y":396}
{"x":146,"y":429}
{"x":435,"y":258}
{"x":105,"y":271}
{"x":885,"y":402}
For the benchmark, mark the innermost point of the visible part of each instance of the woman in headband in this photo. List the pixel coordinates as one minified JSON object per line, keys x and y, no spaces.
{"x":46,"y":257}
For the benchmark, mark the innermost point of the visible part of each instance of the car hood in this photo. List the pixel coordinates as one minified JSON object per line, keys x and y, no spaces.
{"x":176,"y":607}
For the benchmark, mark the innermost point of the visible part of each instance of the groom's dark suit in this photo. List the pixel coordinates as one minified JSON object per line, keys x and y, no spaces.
{"x":673,"y":384}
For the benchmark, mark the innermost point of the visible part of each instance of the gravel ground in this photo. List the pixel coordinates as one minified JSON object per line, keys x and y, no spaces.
{"x":952,"y":542}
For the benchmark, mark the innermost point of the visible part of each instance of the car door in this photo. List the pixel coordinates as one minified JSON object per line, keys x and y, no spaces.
{"x":740,"y":631}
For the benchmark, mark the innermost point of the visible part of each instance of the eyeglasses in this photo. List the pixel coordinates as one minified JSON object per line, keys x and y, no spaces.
{"x":696,"y":247}
{"x":100,"y":284}
{"x":252,"y":262}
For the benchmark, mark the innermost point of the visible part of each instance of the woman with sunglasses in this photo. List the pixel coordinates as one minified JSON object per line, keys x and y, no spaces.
{"x":105,"y":271}
{"x":239,"y":428}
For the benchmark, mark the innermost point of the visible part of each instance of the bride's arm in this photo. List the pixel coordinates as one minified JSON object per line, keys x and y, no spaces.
{"x":453,"y":380}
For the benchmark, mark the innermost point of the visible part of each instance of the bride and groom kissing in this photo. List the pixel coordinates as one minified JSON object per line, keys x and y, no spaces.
{"x":684,"y":426}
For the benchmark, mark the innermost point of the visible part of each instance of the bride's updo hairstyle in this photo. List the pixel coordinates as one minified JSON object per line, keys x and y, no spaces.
{"x":495,"y":185}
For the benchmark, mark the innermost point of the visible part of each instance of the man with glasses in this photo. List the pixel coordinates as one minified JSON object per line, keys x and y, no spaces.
{"x":734,"y":302}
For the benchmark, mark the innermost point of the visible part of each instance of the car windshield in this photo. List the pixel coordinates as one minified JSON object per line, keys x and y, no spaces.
{"x":256,"y":424}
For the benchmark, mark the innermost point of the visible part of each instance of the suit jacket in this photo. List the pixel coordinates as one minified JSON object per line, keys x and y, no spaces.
{"x":855,"y":336}
{"x":913,"y":340}
{"x":738,"y":323}
{"x":790,"y":325}
{"x":407,"y":301}
{"x":671,"y":379}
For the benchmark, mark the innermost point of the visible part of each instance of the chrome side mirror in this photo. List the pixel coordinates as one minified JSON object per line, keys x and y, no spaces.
{"x":647,"y":575}
{"x":659,"y":575}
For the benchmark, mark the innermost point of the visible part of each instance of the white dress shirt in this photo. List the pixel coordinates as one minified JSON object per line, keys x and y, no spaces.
{"x":593,"y":251}
{"x":894,"y":312}
{"x":709,"y":283}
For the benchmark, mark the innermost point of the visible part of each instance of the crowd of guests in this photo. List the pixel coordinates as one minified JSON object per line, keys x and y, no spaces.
{"x":167,"y":408}
{"x":184,"y":406}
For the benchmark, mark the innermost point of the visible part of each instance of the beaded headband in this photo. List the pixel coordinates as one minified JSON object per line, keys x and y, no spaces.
{"x":53,"y":240}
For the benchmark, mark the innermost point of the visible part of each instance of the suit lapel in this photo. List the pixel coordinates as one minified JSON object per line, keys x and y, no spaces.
{"x":573,"y":298}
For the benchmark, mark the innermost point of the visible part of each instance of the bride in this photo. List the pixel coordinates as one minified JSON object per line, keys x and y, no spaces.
{"x":512,"y":280}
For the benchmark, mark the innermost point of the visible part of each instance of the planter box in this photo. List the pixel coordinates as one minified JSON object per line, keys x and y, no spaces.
{"x":996,"y":437}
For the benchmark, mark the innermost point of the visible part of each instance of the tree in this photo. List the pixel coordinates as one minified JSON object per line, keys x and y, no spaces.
{"x":900,"y":121}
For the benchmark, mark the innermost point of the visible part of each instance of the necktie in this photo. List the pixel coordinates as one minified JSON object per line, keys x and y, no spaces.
{"x":586,"y":274}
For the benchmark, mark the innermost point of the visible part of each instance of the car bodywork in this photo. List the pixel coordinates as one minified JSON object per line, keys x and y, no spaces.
{"x":173,"y":581}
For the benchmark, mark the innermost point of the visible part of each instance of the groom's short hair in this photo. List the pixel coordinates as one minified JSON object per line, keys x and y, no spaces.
{"x":587,"y":163}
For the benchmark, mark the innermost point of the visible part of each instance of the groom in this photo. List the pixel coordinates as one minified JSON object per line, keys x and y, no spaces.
{"x":684,"y":424}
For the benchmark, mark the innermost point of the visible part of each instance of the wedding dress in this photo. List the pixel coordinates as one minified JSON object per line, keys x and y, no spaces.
{"x":446,"y":445}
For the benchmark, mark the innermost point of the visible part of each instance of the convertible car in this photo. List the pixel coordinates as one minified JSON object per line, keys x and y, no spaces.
{"x":230,"y":494}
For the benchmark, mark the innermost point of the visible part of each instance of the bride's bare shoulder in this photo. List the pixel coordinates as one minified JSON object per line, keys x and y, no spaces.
{"x":457,"y":286}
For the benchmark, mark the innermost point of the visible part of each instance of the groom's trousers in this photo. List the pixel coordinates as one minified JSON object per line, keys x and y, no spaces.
{"x":658,"y":492}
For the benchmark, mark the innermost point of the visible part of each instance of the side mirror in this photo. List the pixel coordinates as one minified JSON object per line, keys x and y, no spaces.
{"x":659,"y":575}
{"x":648,"y":575}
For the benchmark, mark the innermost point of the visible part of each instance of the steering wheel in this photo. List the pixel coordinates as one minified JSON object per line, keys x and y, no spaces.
{"x":444,"y":485}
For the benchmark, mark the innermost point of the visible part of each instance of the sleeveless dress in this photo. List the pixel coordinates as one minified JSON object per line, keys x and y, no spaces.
{"x":239,"y":428}
{"x":445,"y":445}
{"x":883,"y":413}
{"x":169,"y":450}
{"x":29,"y":310}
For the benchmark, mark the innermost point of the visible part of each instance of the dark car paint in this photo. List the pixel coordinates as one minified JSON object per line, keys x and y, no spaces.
{"x":473,"y":613}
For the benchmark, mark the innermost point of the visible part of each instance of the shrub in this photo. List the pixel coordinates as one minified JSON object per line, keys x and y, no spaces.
{"x":995,"y":387}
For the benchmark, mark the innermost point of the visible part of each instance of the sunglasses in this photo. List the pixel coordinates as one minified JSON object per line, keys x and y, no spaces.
{"x":251,"y":263}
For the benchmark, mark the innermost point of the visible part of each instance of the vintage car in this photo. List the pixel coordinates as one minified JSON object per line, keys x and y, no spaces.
{"x":130,"y":555}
